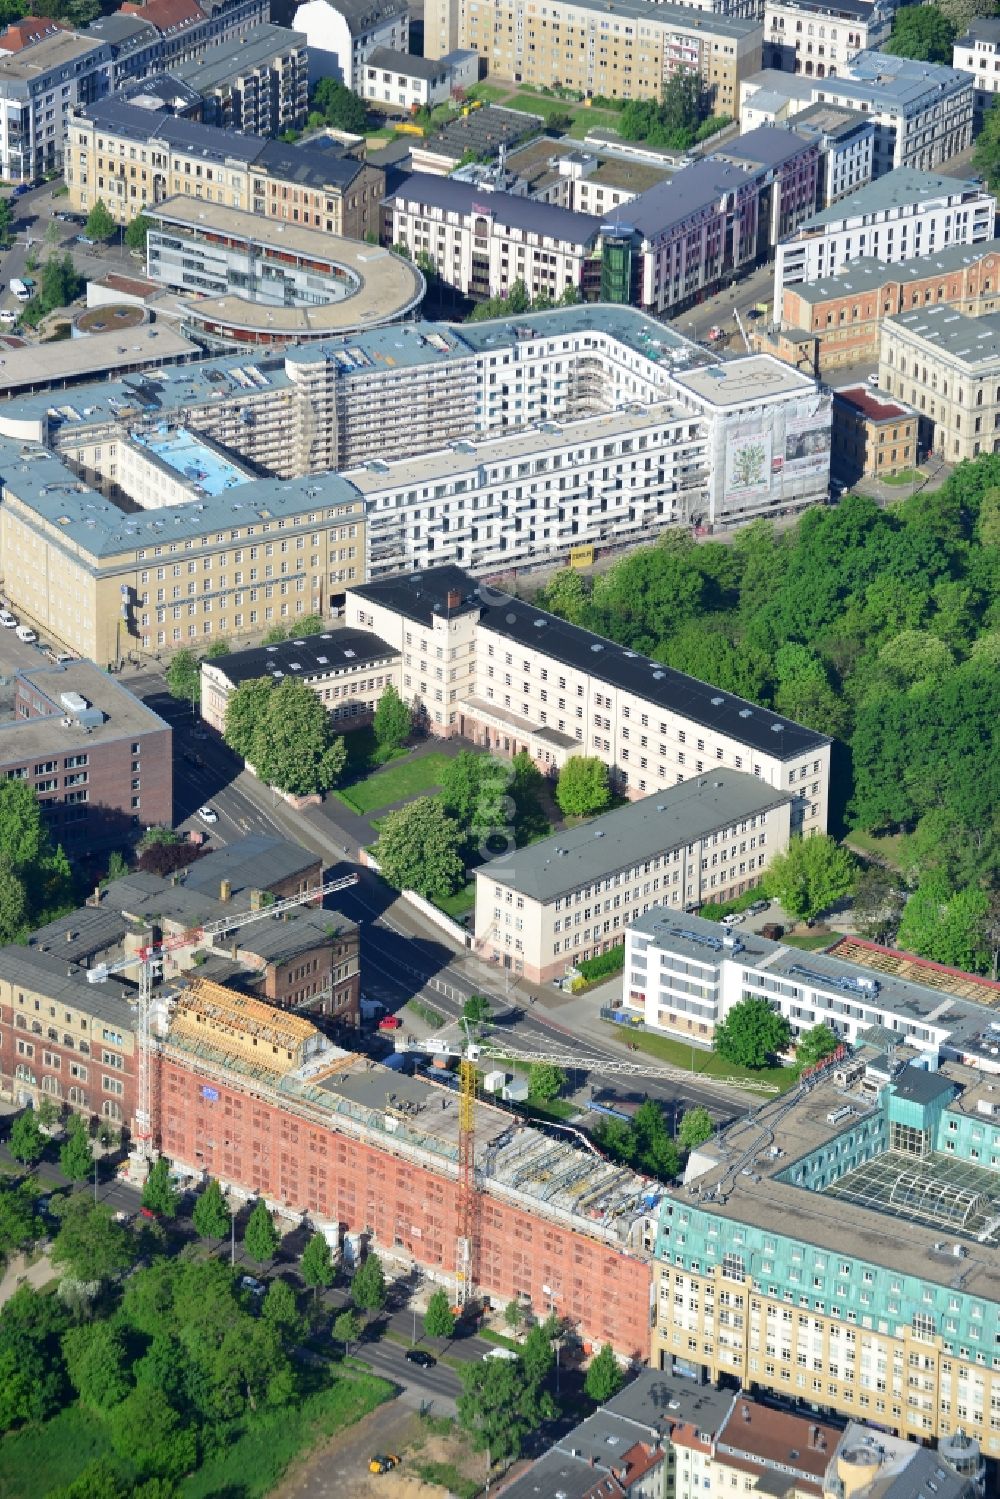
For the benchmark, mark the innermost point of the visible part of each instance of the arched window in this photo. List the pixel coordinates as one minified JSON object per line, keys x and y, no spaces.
{"x":111,"y":1110}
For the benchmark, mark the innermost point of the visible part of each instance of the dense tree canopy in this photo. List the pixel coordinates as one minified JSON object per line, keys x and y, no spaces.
{"x":752,"y":1033}
{"x":813,"y":874}
{"x":879,"y":626}
{"x":922,"y":32}
{"x":418,"y":848}
{"x":286,"y":734}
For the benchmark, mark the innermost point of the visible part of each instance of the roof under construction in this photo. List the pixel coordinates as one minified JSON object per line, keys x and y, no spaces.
{"x":244,"y":1031}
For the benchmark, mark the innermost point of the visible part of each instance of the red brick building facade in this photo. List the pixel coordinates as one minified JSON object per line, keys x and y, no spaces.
{"x":239,"y":1135}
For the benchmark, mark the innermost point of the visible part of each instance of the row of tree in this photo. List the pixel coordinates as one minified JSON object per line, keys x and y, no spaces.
{"x":36,"y":881}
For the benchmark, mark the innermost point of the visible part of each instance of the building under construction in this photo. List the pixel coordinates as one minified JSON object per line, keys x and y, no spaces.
{"x":258,"y":1099}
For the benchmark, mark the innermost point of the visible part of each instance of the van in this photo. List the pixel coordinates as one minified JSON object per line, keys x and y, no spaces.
{"x":23,"y":632}
{"x":20,"y":289}
{"x":8,"y":317}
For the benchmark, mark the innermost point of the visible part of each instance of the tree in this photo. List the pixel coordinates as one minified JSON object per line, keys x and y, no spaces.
{"x":695,"y":1128}
{"x":545,"y":1081}
{"x":49,"y":1112}
{"x":339,"y":106}
{"x":100,"y":225}
{"x":392,"y":722}
{"x":6,"y":222}
{"x":878,"y":904}
{"x":13,"y":904}
{"x":654,"y":1149}
{"x":22,"y":836}
{"x":76,"y":1159}
{"x":147,"y":1432}
{"x":136,"y":231}
{"x":986,"y":148}
{"x":159,"y":1193}
{"x":184,"y":677}
{"x":91,"y":1245}
{"x":218,"y":648}
{"x":347,"y":1329}
{"x":477,"y":1010}
{"x":281,"y":1310}
{"x":117,"y":866}
{"x":211,"y":1216}
{"x":27,"y":1143}
{"x":293,"y":746}
{"x":246,"y":708}
{"x":537,"y":1355}
{"x":260,"y":1237}
{"x":946,"y":925}
{"x":274,"y":635}
{"x":61,"y":283}
{"x":582,"y":788}
{"x":810,"y":876}
{"x":368,"y":1290}
{"x":675,"y":120}
{"x":815,"y":1044}
{"x":439,"y":1319}
{"x":474,"y":790}
{"x":604,"y":1377}
{"x":32,"y":1372}
{"x":309,"y":624}
{"x":418,"y":847}
{"x":20,"y":1224}
{"x":513,"y":1315}
{"x":751,"y":1034}
{"x":923,"y":33}
{"x":499,"y":1407}
{"x":97,"y":1360}
{"x":317,"y":1268}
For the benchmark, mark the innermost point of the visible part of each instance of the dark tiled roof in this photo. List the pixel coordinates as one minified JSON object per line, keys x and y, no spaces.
{"x":311,"y":656}
{"x":519,"y":213}
{"x":407,"y":63}
{"x":767,"y":146}
{"x":312,"y":165}
{"x":187,"y":135}
{"x":918,"y":1086}
{"x":253,"y":863}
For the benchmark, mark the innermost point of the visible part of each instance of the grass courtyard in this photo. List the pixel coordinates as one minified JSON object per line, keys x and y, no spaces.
{"x":396,"y":783}
{"x":703,"y":1063}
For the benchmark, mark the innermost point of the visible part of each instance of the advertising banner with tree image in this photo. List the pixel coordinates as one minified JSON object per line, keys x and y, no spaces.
{"x":748,"y":465}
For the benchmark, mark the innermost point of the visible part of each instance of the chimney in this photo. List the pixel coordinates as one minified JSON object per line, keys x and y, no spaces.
{"x":225,"y":890}
{"x":70,"y":935}
{"x":256,"y":900}
{"x":454,"y":598}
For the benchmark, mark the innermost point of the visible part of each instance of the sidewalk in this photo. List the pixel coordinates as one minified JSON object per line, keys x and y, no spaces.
{"x":19,"y":1272}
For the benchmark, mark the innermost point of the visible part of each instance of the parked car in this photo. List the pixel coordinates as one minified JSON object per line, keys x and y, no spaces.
{"x":506,"y":1354}
{"x":208,"y":814}
{"x":383,"y":1462}
{"x":148,"y":1213}
{"x":8,"y":317}
{"x":253,"y":1285}
{"x":420,"y":1357}
{"x":390,"y":1023}
{"x":7,"y":620}
{"x":25,"y":633}
{"x":735,"y":918}
{"x":758,"y":906}
{"x":20,"y":190}
{"x":84,"y":239}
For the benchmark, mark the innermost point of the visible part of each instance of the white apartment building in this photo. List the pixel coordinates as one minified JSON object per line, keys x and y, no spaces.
{"x":347,"y":669}
{"x":846,"y":139}
{"x":817,"y":37}
{"x":481,"y":241}
{"x":496,"y":669}
{"x":684,"y":974}
{"x":39,"y":86}
{"x":404,"y":81}
{"x":542,"y":908}
{"x":903,"y":216}
{"x":342,"y":34}
{"x":977,"y":51}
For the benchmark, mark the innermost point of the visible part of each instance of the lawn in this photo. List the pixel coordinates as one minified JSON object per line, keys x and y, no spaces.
{"x":884,"y":850}
{"x":705,"y":1063}
{"x":457,"y":905}
{"x":905,"y":476}
{"x":811,"y":941}
{"x":250,"y":1458}
{"x":398,"y":783}
{"x":584,"y":118}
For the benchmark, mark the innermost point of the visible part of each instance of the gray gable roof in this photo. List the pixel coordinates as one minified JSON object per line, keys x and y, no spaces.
{"x":515,"y":212}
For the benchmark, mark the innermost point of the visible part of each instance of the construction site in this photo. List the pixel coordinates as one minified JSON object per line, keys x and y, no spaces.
{"x":267,"y":1105}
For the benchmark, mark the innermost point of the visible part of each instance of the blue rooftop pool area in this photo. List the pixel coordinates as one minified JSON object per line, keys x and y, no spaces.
{"x":193,"y":459}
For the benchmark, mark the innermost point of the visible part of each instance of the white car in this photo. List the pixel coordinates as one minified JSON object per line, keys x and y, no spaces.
{"x":25,"y":633}
{"x":7,"y":619}
{"x":736,"y":919}
{"x":208,"y":814}
{"x":506,"y":1354}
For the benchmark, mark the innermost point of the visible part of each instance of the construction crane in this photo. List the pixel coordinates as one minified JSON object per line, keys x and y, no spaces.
{"x":469,"y":1053}
{"x":148,"y":960}
{"x":743,"y":331}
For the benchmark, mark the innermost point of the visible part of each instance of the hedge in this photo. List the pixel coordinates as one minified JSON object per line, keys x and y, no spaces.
{"x":604,"y":964}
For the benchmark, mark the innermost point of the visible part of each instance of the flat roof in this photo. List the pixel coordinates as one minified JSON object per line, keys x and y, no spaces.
{"x":973,"y":340}
{"x":422,"y":596}
{"x":221,"y":64}
{"x":48,"y":55}
{"x":207,"y":467}
{"x":870,"y":404}
{"x":896,"y":189}
{"x":125,"y":715}
{"x":869,"y":274}
{"x":47,"y":365}
{"x":907,"y":965}
{"x":483,"y":131}
{"x":838,"y":121}
{"x":779,"y":83}
{"x":765,"y":146}
{"x":308,"y":657}
{"x":898,"y":81}
{"x":388,"y":286}
{"x":640,"y":830}
{"x":755,"y":377}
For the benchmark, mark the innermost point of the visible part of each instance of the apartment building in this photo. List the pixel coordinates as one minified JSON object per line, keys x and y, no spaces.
{"x":343,"y":34}
{"x":188,"y":28}
{"x":843,"y":314}
{"x":265,"y":283}
{"x":623,"y":49}
{"x":854,"y":1265}
{"x":872,"y":438}
{"x":258,"y":88}
{"x":571,"y":692}
{"x":977,"y":51}
{"x":136,"y":47}
{"x":404,"y":81}
{"x":103,"y":582}
{"x":97,"y":758}
{"x":41,"y":84}
{"x":903,"y":216}
{"x":481,"y":243}
{"x":817,"y":37}
{"x":846,"y":140}
{"x":347,"y":669}
{"x":541,"y":909}
{"x":64,"y":1038}
{"x":133,"y":158}
{"x":946,"y":365}
{"x":922,"y":112}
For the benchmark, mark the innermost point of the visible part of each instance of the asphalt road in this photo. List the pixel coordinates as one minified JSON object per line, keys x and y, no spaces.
{"x":33,"y":212}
